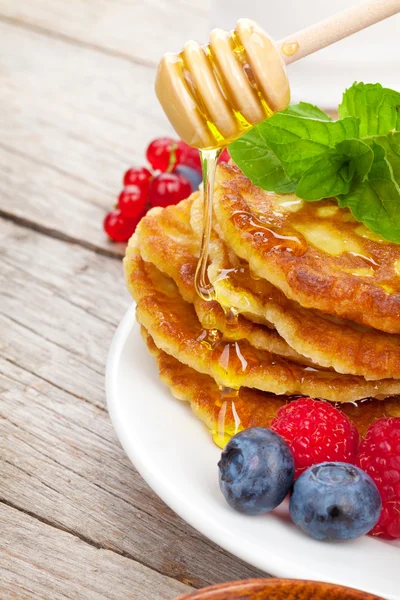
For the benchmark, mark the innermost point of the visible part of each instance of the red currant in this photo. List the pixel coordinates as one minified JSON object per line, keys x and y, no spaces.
{"x":189,"y":156}
{"x":159,"y":153}
{"x":118,"y":227}
{"x":132,"y":201}
{"x":169,"y":188}
{"x":224,"y":157}
{"x":138,"y":176}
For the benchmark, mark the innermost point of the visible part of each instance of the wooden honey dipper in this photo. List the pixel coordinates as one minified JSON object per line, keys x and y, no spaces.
{"x":213,"y":94}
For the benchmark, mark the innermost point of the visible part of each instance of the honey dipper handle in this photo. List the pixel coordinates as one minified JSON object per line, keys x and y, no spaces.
{"x":336,"y":28}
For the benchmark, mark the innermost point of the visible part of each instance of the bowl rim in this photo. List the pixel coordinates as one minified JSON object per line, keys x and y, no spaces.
{"x":215,"y":592}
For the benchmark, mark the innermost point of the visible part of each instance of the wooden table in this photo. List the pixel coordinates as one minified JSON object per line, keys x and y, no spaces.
{"x":76,"y":109}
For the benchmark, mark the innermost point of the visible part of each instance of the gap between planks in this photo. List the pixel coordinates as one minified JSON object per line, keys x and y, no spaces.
{"x":51,"y":33}
{"x":70,"y":567}
{"x":63,"y":237}
{"x":85,"y":539}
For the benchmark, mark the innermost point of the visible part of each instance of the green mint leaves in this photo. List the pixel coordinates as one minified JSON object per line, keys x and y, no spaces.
{"x":355,"y":159}
{"x":376,"y":201}
{"x":334,"y":172}
{"x":377,"y":108}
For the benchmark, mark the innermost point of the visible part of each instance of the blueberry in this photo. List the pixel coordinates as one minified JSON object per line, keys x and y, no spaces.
{"x":335,"y":501}
{"x":256,"y":471}
{"x":192,"y":175}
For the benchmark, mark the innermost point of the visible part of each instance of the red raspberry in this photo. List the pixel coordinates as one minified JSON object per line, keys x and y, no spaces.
{"x":379,"y":456}
{"x":316,"y":432}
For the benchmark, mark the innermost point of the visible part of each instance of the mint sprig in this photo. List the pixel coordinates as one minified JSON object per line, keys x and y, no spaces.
{"x":377,"y":108}
{"x":355,"y":159}
{"x":334,"y":172}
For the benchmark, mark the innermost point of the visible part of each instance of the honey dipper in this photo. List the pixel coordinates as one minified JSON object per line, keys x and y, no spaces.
{"x":213,"y":94}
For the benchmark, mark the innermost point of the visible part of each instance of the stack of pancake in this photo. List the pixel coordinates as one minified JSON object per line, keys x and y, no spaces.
{"x":308,"y":304}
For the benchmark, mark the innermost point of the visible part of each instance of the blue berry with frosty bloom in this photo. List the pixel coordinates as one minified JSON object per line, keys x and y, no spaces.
{"x":335,"y":501}
{"x":256,"y":471}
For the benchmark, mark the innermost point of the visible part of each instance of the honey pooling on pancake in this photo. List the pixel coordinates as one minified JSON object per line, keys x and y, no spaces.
{"x":260,"y":228}
{"x":347,"y":270}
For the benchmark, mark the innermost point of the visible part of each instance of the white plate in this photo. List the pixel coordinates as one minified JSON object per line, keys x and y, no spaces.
{"x":174,"y":453}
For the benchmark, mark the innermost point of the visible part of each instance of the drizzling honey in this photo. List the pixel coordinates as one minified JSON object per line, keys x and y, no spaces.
{"x":212,"y":95}
{"x":209,"y":159}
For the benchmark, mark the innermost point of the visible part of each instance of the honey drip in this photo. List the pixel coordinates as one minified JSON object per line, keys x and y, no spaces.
{"x":209,"y":159}
{"x":227,"y":413}
{"x":290,"y":48}
{"x":226,"y":356}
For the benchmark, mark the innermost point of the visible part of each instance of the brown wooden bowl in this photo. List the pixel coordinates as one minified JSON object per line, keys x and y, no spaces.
{"x":278,"y":589}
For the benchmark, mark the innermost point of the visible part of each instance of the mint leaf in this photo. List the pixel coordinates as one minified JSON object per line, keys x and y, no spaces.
{"x":378,"y":108}
{"x":298,"y":142}
{"x":359,"y":157}
{"x":355,"y":159}
{"x":376,"y":201}
{"x":260,"y":164}
{"x":391,"y":144}
{"x":304,"y":109}
{"x":332,"y":174}
{"x":323,"y":179}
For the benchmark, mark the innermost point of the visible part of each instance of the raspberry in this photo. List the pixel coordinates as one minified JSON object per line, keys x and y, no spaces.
{"x":316,"y":432}
{"x":379,"y":456}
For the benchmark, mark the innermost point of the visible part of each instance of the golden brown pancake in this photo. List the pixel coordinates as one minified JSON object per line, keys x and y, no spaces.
{"x":251,"y":408}
{"x":315,"y":253}
{"x":173,"y":324}
{"x":167,"y":240}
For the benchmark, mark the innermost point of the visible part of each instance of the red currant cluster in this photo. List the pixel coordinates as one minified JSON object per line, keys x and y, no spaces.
{"x":176,"y":173}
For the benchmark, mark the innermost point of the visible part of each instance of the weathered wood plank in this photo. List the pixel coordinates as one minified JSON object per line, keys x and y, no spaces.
{"x":39,"y":562}
{"x":59,"y":458}
{"x":71,"y":122}
{"x":142,"y":30}
{"x":56,"y":203}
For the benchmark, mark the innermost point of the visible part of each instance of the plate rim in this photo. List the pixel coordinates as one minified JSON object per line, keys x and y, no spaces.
{"x":195,"y":517}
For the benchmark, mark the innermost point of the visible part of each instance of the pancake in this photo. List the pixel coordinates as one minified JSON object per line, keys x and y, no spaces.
{"x":315,"y":253}
{"x":330,"y":342}
{"x":251,"y":408}
{"x":169,"y":241}
{"x":166,"y":239}
{"x":173,"y":324}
